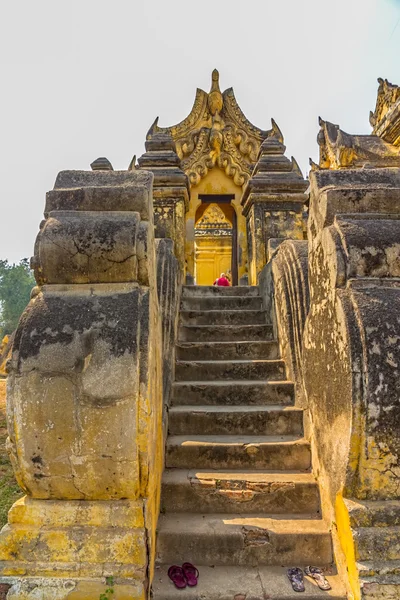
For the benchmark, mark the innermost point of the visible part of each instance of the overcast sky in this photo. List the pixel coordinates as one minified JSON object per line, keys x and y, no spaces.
{"x":84,"y":78}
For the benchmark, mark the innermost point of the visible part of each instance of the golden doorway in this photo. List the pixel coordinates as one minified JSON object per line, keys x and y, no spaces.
{"x":215,"y":240}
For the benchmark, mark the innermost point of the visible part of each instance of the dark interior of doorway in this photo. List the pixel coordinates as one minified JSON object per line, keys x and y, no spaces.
{"x":226,"y":199}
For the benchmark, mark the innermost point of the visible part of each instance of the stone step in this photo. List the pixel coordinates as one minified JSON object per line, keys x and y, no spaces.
{"x":210,"y":370}
{"x":377,"y":543}
{"x":372,"y":568}
{"x":242,"y":540}
{"x":235,"y":420}
{"x":232,"y":393}
{"x":227,"y":350}
{"x":244,"y":583}
{"x":239,"y":492}
{"x":278,"y":453}
{"x":224,"y":333}
{"x":226,"y":317}
{"x":380,"y":587}
{"x":218,"y":302}
{"x":374,"y":513}
{"x":190,"y":291}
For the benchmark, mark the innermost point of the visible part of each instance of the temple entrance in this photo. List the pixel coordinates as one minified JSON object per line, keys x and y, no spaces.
{"x":215,"y":237}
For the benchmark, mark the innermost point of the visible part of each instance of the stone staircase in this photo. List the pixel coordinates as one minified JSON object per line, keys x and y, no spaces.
{"x":238,"y":496}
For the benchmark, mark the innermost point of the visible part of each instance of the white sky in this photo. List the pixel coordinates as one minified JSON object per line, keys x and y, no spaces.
{"x":86,"y":78}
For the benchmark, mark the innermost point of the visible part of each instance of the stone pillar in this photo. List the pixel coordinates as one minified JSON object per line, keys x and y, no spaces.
{"x":84,"y":397}
{"x":273,"y":202}
{"x":170,"y":190}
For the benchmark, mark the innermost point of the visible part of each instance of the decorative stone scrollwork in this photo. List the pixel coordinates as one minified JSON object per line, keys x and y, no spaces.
{"x":388,"y":96}
{"x":214,"y":232}
{"x":339,"y":149}
{"x":385,"y":120}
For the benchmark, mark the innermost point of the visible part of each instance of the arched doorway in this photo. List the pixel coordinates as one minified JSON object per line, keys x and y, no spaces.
{"x":215,"y":236}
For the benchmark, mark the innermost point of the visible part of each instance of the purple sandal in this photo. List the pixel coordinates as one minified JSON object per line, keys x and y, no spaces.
{"x":191,"y":574}
{"x":296,"y":578}
{"x":177,"y":576}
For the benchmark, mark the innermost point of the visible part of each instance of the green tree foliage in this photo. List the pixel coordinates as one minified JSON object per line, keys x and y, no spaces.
{"x":16,"y":282}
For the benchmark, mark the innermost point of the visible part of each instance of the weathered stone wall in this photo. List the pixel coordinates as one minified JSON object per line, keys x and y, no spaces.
{"x":169,"y":280}
{"x":351,"y":352}
{"x":351,"y":338}
{"x":85,"y":405}
{"x":284,"y":287}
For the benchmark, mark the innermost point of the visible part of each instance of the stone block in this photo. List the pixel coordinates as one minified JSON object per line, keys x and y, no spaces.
{"x":74,"y":539}
{"x":374,"y":178}
{"x":111,"y":198}
{"x":371,"y":246}
{"x":355,"y":200}
{"x":87,"y":247}
{"x":73,"y":400}
{"x":80,"y":179}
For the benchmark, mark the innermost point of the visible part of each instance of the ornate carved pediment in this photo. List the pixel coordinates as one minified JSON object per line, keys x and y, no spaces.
{"x":213,"y":216}
{"x":216,"y":133}
{"x":213,"y":222}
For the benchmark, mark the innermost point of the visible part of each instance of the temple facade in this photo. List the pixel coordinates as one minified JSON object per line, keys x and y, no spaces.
{"x":155,"y":419}
{"x":235,"y":166}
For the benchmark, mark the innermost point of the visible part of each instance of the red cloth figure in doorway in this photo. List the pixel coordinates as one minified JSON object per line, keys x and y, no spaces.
{"x":222,"y":280}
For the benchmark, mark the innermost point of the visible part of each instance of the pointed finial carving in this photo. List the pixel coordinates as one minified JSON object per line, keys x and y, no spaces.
{"x":215,"y":81}
{"x":215,"y":99}
{"x":296,"y":167}
{"x":132,"y":164}
{"x":153,"y":129}
{"x":276,"y":132}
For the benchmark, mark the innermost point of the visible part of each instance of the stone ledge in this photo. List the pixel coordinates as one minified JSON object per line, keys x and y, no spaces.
{"x":77,"y":588}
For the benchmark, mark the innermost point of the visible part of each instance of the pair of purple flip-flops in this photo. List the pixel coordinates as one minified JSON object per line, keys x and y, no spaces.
{"x":182,"y":576}
{"x":296,"y":578}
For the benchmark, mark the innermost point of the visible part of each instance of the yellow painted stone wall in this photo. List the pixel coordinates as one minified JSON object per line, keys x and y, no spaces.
{"x":215,"y":182}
